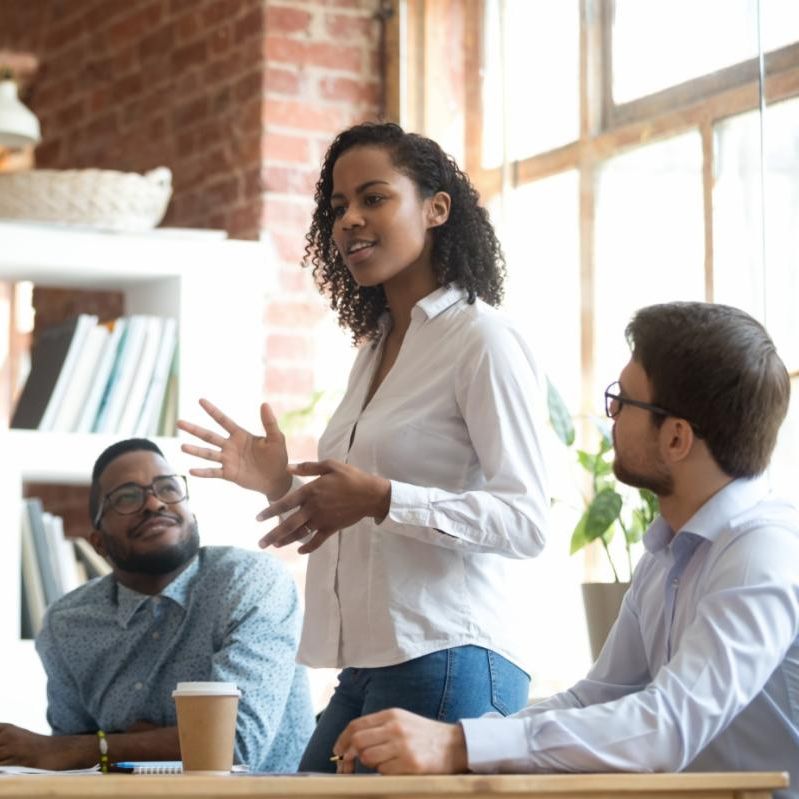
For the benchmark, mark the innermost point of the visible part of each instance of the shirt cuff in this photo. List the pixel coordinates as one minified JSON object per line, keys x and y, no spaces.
{"x":408,"y":504}
{"x":491,"y":742}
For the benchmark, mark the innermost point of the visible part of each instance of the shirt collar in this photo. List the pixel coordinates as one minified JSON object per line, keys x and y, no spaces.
{"x":129,"y":601}
{"x":714,"y":516}
{"x":442,"y":298}
{"x":431,"y":306}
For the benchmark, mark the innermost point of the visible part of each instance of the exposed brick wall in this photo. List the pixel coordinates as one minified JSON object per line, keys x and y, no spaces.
{"x":133,"y":84}
{"x":321,"y":61}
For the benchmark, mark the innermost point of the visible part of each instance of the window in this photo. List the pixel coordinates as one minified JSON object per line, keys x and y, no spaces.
{"x":622,"y":153}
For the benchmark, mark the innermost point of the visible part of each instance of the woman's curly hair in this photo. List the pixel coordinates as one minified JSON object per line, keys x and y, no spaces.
{"x":465,"y":251}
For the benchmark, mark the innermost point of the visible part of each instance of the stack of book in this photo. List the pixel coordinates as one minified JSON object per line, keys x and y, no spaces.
{"x":51,"y":564}
{"x":117,"y":377}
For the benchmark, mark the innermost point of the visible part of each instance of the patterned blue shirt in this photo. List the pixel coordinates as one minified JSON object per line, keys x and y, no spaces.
{"x":113,"y":656}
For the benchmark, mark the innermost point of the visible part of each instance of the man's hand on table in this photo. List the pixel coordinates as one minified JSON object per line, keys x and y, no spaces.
{"x":398,"y":742}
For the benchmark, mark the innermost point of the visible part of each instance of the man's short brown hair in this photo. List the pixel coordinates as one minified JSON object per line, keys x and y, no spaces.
{"x":716,"y":367}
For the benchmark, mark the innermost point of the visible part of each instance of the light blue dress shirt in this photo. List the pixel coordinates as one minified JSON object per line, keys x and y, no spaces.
{"x":113,"y":656}
{"x":700,"y":671}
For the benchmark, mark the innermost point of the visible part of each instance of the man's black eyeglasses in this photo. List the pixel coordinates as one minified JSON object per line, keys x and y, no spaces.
{"x":614,"y":402}
{"x":131,"y":497}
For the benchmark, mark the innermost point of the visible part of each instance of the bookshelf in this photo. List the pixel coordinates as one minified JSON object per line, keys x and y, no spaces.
{"x":215,"y":288}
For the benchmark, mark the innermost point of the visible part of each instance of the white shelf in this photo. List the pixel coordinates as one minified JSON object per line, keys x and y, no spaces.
{"x":216,"y":289}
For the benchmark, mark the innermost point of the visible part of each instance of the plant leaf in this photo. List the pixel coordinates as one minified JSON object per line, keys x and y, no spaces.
{"x":578,"y":540}
{"x":586,"y":460}
{"x":559,"y":416}
{"x":651,"y":504}
{"x":604,"y":509}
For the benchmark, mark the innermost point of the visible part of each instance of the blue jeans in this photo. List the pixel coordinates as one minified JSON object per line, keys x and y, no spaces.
{"x":459,"y":683}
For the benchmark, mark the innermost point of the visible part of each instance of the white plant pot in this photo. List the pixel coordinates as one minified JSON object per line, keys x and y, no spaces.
{"x":602,"y":602}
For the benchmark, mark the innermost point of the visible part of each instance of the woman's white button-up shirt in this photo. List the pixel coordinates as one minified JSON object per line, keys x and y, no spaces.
{"x":455,"y":426}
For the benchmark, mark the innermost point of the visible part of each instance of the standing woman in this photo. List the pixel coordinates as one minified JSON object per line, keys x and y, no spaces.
{"x":430,"y":475}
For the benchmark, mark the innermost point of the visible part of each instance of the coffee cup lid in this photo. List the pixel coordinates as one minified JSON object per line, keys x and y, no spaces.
{"x":206,"y":689}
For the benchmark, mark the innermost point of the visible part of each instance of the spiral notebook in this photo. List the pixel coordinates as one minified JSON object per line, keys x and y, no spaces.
{"x":147,"y":767}
{"x":157,"y":767}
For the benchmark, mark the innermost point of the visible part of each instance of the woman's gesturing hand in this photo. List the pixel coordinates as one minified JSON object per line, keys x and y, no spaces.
{"x":340,"y":496}
{"x":255,"y":462}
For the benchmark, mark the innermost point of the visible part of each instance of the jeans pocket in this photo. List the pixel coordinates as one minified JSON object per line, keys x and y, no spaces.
{"x":509,"y":684}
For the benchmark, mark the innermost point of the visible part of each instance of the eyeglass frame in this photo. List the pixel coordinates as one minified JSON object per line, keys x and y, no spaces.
{"x":611,"y":397}
{"x":146,"y":490}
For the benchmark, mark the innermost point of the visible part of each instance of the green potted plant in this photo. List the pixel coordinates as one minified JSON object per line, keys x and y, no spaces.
{"x":610,"y":512}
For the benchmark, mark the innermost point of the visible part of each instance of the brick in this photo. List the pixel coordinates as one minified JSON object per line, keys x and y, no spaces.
{"x":189,"y":55}
{"x":48,"y":153}
{"x":253,"y":183}
{"x":283,"y":19}
{"x":294,"y":314}
{"x":127,"y":87}
{"x":340,"y":27}
{"x":279,"y":147}
{"x":224,"y":69}
{"x":249,"y":118}
{"x":302,"y":115}
{"x":218,"y":11}
{"x":157,"y":129}
{"x":157,"y":44}
{"x":244,"y":222}
{"x":349,"y":90}
{"x":223,"y":192}
{"x":70,"y":115}
{"x":288,"y":346}
{"x":250,"y":25}
{"x":282,"y":81}
{"x":316,"y":54}
{"x":100,"y":14}
{"x":282,"y":212}
{"x":249,"y":86}
{"x":100,"y":99}
{"x":187,"y":85}
{"x":61,"y":34}
{"x":135,"y":25}
{"x":179,"y":6}
{"x":289,"y":180}
{"x":221,"y":100}
{"x":219,"y":39}
{"x":123,"y":61}
{"x":188,"y":26}
{"x":191,"y":112}
{"x":288,"y":380}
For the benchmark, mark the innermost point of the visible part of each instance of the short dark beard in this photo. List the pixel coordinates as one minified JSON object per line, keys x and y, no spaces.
{"x":155,"y":564}
{"x":660,"y":484}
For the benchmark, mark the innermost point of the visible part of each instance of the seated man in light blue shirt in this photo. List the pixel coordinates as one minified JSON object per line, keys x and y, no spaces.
{"x":115,"y":648}
{"x":701,"y":670}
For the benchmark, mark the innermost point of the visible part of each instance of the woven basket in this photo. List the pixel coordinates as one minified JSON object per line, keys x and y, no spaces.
{"x":100,"y":198}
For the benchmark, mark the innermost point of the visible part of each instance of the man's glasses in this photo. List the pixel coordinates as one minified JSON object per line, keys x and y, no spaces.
{"x":614,"y":402}
{"x":130,"y":498}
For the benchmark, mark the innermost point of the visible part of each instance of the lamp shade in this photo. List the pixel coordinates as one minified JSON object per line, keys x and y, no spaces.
{"x":18,"y":124}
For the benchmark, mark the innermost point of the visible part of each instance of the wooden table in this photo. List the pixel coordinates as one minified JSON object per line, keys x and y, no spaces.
{"x":743,"y":785}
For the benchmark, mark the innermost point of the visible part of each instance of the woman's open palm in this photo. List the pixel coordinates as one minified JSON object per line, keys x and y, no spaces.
{"x":254,"y":462}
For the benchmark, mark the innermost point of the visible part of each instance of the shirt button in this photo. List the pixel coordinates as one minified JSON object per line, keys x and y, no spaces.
{"x":156,"y":636}
{"x":138,"y":686}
